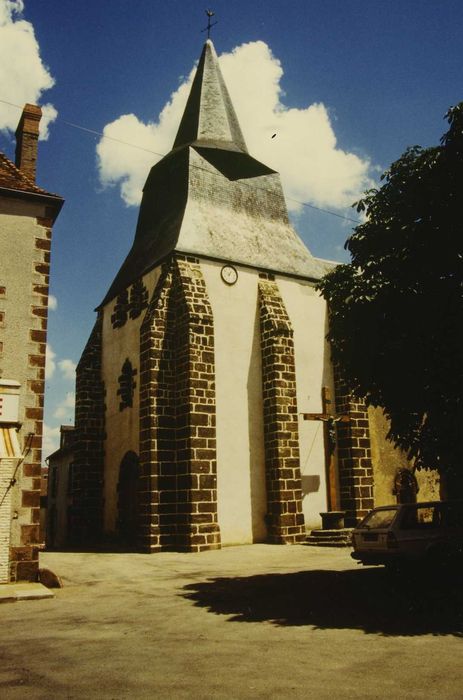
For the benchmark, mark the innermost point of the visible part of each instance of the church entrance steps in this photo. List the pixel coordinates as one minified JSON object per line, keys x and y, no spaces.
{"x":330,"y":538}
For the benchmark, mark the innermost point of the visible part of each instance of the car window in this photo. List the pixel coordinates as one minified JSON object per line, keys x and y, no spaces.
{"x":379,"y":518}
{"x":421,"y":517}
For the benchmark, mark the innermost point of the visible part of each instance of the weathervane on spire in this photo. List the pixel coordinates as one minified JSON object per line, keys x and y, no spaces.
{"x":210,"y":24}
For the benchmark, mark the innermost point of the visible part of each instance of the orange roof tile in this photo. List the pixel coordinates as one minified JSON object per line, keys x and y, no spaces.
{"x":13,"y":179}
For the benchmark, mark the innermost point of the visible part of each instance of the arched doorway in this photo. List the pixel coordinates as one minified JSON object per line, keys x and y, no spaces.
{"x":127,"y":500}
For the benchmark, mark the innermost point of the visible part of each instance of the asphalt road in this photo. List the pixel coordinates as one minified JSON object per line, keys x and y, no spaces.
{"x":257,"y":621}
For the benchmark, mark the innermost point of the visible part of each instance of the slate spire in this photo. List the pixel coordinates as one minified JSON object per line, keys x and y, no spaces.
{"x":210,"y":198}
{"x":209,"y":117}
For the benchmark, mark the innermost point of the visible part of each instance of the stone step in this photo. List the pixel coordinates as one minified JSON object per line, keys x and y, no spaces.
{"x":328,"y":543}
{"x":345,"y":532}
{"x":330,"y":538}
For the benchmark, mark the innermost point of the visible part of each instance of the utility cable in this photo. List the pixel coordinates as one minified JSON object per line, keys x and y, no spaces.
{"x":198,"y":167}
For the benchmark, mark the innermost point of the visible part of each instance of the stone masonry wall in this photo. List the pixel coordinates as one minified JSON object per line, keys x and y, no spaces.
{"x":354,"y":455}
{"x":196,"y":409}
{"x":177,"y":414}
{"x":157,"y":415}
{"x":86,"y":523}
{"x":285,"y":520}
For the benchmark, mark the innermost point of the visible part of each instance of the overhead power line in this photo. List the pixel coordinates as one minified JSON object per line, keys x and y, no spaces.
{"x":162,"y":155}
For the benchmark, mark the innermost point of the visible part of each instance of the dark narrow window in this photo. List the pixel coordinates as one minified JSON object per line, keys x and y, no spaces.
{"x":126,"y":385}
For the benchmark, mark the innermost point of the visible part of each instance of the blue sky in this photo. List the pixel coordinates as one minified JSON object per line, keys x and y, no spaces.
{"x":346,"y":84}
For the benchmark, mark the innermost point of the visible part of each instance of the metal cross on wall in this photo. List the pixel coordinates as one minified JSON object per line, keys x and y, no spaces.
{"x":329,"y":420}
{"x":210,"y":24}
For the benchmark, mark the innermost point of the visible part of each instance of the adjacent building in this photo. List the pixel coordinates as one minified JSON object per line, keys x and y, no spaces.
{"x":27,"y":214}
{"x":59,"y":481}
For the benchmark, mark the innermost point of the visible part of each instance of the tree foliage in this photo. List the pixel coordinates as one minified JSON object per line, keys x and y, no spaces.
{"x":396,"y":309}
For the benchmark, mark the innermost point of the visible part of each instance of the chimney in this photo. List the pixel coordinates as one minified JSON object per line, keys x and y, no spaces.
{"x":27,"y":135}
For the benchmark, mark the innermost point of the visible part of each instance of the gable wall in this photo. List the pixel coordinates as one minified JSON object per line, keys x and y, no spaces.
{"x":242,"y":501}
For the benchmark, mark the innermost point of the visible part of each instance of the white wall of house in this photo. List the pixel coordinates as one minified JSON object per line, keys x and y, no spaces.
{"x":19,"y":232}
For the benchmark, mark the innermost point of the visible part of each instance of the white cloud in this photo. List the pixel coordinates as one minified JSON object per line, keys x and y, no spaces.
{"x":8,"y":8}
{"x":68,"y":369}
{"x":50,"y":363}
{"x":50,"y":440}
{"x":49,"y":114}
{"x":52,"y":302}
{"x":66,"y":366}
{"x":304,"y":151}
{"x":66,"y":407}
{"x":23,"y":76}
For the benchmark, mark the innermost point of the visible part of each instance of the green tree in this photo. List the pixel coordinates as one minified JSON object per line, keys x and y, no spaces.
{"x":396,"y":309}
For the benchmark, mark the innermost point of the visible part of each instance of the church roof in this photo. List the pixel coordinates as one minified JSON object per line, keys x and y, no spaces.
{"x":210,"y":198}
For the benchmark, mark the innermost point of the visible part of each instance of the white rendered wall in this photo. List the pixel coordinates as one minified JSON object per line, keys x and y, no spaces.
{"x":240,"y":438}
{"x":122,"y":427}
{"x":7,"y":467}
{"x":307,"y":311}
{"x":18,"y":233}
{"x":240,"y":441}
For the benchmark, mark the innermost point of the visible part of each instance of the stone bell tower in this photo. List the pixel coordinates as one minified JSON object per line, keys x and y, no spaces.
{"x":205,"y":349}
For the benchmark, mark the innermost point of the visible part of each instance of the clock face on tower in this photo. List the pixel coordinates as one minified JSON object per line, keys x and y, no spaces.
{"x":229,"y":274}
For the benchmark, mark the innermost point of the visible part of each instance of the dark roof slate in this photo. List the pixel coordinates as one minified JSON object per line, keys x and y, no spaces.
{"x":210,"y":198}
{"x":209,"y":114}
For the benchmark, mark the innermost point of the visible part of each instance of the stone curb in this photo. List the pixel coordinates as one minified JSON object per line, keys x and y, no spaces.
{"x":12,"y":592}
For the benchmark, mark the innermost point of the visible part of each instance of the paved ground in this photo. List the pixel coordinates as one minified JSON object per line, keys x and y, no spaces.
{"x":244,"y":622}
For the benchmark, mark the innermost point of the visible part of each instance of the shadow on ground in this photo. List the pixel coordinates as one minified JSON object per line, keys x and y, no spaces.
{"x":367,"y":599}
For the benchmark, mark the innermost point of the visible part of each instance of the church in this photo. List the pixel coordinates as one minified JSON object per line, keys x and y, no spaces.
{"x":208,"y":412}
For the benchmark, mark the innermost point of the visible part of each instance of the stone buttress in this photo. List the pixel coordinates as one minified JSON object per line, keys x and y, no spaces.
{"x":178,"y":490}
{"x":354,"y":455}
{"x":285,"y":520}
{"x":86,"y":519}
